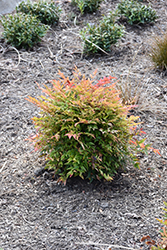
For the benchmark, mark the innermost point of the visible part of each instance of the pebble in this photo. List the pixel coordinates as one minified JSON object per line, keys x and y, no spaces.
{"x":39,"y":171}
{"x":132,"y":215}
{"x":104,"y":204}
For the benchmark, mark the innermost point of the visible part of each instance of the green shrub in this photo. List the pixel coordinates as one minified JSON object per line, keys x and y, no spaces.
{"x":102,"y":36}
{"x":84,"y":129}
{"x":22,"y":31}
{"x":136,"y":13}
{"x":87,"y":6}
{"x":159,"y":52}
{"x":46,"y":12}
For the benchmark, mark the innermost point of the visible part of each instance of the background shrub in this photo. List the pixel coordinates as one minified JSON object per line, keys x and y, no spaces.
{"x":159,"y":52}
{"x":136,"y":13}
{"x":46,"y":12}
{"x":87,"y":6}
{"x":22,"y":31}
{"x":83,"y":129}
{"x":104,"y":35}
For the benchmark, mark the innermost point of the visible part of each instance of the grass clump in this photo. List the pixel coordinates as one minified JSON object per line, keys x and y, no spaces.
{"x":159,"y":52}
{"x":87,"y":6}
{"x":101,"y":37}
{"x":22,"y":31}
{"x":136,"y":13}
{"x":84,"y":129}
{"x":47,"y":12}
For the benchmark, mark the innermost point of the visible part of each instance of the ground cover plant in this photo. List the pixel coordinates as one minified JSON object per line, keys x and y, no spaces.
{"x":22,"y":30}
{"x":136,"y":13}
{"x":87,"y":6}
{"x":84,"y":129}
{"x":101,"y":37}
{"x":47,"y":12}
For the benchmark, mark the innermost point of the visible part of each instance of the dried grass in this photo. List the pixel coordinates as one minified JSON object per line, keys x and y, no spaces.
{"x":159,"y":51}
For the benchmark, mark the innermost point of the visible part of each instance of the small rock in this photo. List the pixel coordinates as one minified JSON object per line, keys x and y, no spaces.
{"x":104,"y":204}
{"x":19,"y":174}
{"x":132,"y":216}
{"x":39,"y":171}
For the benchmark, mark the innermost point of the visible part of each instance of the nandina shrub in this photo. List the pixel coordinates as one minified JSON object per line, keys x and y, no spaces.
{"x":84,"y":129}
{"x":162,"y":244}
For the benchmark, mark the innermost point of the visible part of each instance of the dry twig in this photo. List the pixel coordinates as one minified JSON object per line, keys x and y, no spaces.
{"x":2,"y":168}
{"x":51,"y":54}
{"x":10,"y":48}
{"x":106,"y":245}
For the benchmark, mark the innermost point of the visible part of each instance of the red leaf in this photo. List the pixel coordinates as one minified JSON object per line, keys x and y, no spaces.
{"x":152,"y":242}
{"x":145,"y":238}
{"x":133,"y":142}
{"x":69,"y":135}
{"x":142,"y":145}
{"x":156,"y":151}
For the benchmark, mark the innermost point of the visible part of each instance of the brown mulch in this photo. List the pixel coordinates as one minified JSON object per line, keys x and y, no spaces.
{"x":35,"y":211}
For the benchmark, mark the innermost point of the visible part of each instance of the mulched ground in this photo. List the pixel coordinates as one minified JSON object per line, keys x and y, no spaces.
{"x":36,"y":212}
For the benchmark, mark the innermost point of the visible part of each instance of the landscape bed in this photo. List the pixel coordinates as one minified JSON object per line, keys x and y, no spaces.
{"x":36,"y":212}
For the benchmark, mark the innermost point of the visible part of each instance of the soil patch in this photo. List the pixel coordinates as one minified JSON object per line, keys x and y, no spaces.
{"x":36,"y":212}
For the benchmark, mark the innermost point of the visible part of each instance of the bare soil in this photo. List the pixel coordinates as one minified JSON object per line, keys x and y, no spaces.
{"x":35,"y":212}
